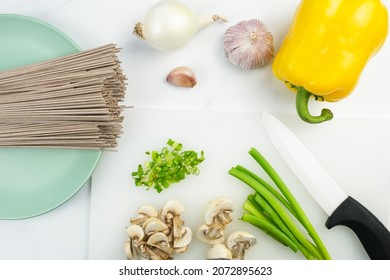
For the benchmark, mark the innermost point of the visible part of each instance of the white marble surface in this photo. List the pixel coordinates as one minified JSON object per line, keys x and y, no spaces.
{"x":63,"y":233}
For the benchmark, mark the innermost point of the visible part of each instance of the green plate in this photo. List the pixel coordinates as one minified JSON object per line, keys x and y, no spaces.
{"x":34,"y":180}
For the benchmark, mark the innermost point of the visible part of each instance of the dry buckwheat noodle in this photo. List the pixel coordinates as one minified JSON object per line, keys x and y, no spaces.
{"x":72,"y":101}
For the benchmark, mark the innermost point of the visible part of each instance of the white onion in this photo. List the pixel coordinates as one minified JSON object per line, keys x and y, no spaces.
{"x":169,"y":24}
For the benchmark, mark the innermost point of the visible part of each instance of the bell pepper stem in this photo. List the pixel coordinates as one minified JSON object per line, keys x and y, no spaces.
{"x":302,"y":106}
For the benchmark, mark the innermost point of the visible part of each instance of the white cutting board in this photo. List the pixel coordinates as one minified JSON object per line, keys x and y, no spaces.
{"x":356,"y":152}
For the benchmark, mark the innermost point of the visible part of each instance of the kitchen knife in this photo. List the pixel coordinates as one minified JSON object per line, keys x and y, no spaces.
{"x":341,"y":209}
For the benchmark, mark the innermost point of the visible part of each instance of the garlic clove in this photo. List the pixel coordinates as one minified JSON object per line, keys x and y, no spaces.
{"x":182,"y":76}
{"x":249,"y":44}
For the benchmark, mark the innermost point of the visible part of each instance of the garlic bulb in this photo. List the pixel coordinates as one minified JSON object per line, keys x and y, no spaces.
{"x":169,"y":24}
{"x":249,"y":44}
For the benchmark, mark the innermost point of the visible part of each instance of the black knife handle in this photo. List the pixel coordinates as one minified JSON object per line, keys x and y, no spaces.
{"x":374,"y":236}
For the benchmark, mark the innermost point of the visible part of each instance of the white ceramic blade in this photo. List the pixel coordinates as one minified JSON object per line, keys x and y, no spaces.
{"x":312,"y":175}
{"x":388,"y":217}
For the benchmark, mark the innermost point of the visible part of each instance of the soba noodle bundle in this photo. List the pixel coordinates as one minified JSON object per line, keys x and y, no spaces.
{"x":67,"y":102}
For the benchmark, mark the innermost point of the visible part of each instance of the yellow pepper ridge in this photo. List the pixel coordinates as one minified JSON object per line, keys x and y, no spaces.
{"x":326,"y":48}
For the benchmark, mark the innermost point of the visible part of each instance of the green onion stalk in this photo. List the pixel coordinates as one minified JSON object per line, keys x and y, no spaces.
{"x":268,"y":209}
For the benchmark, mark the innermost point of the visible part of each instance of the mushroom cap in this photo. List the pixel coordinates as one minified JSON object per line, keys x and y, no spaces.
{"x":219,"y":252}
{"x":240,"y":237}
{"x":217,"y":207}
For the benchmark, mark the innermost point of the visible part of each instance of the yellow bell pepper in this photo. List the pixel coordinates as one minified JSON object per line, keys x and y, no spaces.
{"x":326,"y":48}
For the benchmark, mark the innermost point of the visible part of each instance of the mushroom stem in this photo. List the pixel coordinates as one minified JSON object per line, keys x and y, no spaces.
{"x":238,"y":253}
{"x":214,"y":231}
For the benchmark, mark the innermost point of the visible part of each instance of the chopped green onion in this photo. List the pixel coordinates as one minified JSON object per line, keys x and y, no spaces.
{"x":167,"y":167}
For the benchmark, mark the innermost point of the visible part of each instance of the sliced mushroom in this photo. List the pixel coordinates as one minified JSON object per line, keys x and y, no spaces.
{"x":170,"y":214}
{"x":217,"y":217}
{"x":160,"y":240}
{"x":153,"y":225}
{"x":136,"y":235}
{"x":239,"y":242}
{"x":135,"y":232}
{"x":218,"y":212}
{"x":144,"y":212}
{"x":184,"y":238}
{"x":159,"y":235}
{"x":204,"y":235}
{"x":154,"y":253}
{"x":142,"y":251}
{"x":170,"y":210}
{"x":219,"y":252}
